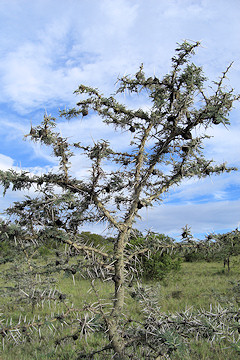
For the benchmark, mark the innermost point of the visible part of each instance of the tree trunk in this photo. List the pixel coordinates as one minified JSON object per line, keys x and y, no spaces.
{"x":115,"y":332}
{"x":226,"y":261}
{"x":116,"y":339}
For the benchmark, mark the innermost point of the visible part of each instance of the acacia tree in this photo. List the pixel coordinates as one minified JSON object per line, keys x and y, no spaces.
{"x":166,"y":148}
{"x":225,"y":246}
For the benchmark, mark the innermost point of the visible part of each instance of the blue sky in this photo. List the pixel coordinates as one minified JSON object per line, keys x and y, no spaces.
{"x":49,"y":47}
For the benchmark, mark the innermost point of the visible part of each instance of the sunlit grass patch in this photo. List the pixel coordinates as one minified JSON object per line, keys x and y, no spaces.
{"x":198,"y":284}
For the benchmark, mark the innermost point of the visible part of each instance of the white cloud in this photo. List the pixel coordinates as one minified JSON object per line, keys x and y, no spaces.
{"x":224,"y":145}
{"x":47,"y":68}
{"x":202,"y":218}
{"x":5,"y":162}
{"x":207,"y":189}
{"x":93,"y":44}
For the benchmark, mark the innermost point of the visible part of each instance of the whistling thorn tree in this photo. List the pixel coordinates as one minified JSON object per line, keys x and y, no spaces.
{"x":166,"y":148}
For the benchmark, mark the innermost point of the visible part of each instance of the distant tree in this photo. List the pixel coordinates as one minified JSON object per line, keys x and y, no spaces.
{"x":214,"y":247}
{"x":226,"y":245}
{"x":194,"y":249}
{"x":166,"y":148}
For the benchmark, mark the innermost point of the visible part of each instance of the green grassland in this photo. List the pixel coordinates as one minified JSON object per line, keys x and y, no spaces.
{"x":198,"y":285}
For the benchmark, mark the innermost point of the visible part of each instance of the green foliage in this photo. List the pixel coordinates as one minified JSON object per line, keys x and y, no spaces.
{"x":215,"y":247}
{"x":158,"y":265}
{"x":6,"y":252}
{"x":157,"y":262}
{"x":10,"y":235}
{"x":193,"y":256}
{"x":97,"y":240}
{"x":43,"y":251}
{"x":227,"y":244}
{"x":10,"y":231}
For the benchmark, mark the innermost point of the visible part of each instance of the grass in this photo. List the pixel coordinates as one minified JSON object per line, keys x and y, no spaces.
{"x":199,"y":285}
{"x":196,"y":285}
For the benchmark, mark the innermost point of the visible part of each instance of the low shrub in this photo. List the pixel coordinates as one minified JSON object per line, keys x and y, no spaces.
{"x":158,"y":261}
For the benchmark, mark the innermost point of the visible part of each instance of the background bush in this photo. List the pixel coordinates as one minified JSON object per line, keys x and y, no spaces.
{"x":155,"y":264}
